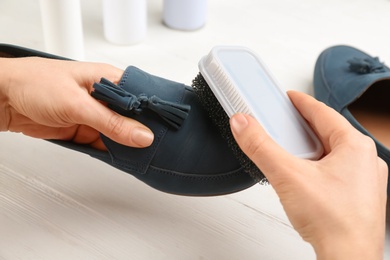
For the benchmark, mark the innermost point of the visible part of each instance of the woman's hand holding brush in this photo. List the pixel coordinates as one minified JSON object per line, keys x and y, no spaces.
{"x":337,"y":203}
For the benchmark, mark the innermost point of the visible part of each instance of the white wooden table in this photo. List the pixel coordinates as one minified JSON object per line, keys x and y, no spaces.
{"x":59,"y":204}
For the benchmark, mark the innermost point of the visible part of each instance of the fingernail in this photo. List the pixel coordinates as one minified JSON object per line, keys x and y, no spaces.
{"x":238,"y":123}
{"x":142,"y":137}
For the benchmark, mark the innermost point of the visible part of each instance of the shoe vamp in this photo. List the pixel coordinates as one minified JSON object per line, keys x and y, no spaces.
{"x":197,"y":147}
{"x":343,"y":84}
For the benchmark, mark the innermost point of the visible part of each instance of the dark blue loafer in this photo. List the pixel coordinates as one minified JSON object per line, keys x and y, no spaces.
{"x":358,"y":87}
{"x":188,"y":155}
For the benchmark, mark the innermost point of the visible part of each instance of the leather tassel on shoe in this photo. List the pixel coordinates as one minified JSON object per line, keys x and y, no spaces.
{"x":365,"y":66}
{"x":172,"y":113}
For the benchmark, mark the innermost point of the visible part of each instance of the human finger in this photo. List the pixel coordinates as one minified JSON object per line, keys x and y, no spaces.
{"x":116,"y":127}
{"x":260,"y":147}
{"x":329,"y":125}
{"x":89,"y":73}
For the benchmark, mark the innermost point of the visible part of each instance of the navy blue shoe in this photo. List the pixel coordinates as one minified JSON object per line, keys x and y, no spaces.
{"x":357,"y":86}
{"x":188,"y":155}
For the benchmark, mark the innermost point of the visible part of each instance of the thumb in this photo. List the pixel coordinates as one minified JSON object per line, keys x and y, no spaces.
{"x":271,"y":159}
{"x":118,"y":128}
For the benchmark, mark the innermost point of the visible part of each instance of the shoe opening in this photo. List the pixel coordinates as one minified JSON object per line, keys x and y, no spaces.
{"x":6,"y":55}
{"x":372,"y":111}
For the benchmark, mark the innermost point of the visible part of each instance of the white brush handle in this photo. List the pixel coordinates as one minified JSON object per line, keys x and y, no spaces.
{"x":243,"y":84}
{"x":62,"y":28}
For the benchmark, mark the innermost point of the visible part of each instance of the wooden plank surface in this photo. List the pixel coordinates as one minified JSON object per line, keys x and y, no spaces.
{"x":59,"y":204}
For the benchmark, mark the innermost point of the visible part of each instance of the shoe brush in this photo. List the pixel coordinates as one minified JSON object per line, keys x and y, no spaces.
{"x":232,"y":80}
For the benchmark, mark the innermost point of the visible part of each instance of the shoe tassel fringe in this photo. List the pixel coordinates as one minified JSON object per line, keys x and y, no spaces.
{"x":172,"y":113}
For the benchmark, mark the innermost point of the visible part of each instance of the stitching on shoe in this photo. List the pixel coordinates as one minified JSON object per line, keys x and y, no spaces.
{"x":124,"y":78}
{"x":323,"y":77}
{"x":140,"y":167}
{"x":222,"y":176}
{"x":329,"y":99}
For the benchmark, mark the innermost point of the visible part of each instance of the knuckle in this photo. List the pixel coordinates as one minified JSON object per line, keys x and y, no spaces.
{"x":254,"y":146}
{"x":356,"y":140}
{"x":70,"y":109}
{"x":365,"y":143}
{"x":342,"y":135}
{"x":115,"y":125}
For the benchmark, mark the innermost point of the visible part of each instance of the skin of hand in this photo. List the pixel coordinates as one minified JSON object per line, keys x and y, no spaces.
{"x":50,"y":99}
{"x":337,"y":203}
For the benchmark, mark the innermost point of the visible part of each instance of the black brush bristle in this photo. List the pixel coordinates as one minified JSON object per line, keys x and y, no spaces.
{"x":221,"y":120}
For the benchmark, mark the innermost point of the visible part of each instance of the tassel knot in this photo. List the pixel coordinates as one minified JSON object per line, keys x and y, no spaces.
{"x":172,"y":113}
{"x":365,"y":66}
